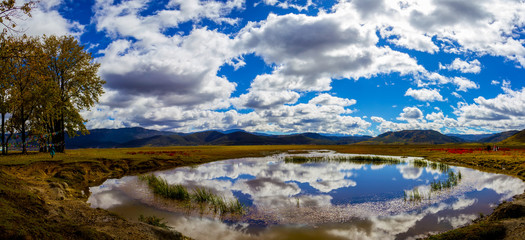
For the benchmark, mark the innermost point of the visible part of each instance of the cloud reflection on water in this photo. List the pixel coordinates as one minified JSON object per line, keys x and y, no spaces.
{"x":287,"y":193}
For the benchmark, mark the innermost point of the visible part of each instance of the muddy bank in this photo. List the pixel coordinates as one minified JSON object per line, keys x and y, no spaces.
{"x":47,"y":200}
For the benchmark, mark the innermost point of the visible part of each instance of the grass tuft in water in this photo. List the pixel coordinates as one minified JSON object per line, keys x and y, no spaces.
{"x":452,"y":181}
{"x":162,"y":188}
{"x":361,"y":159}
{"x":203,"y":195}
{"x":199,"y":195}
{"x":413,"y":196}
{"x":155,"y":221}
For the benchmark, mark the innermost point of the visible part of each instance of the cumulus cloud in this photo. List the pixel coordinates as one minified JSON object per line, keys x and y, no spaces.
{"x":426,"y":95}
{"x":435,"y":116}
{"x":265,"y":99}
{"x":413,"y":118}
{"x":46,"y":19}
{"x":158,"y":70}
{"x":163,"y":79}
{"x":504,"y":112}
{"x":464,"y":84}
{"x":172,"y":71}
{"x":310,"y":51}
{"x":377,"y":119}
{"x":473,"y":66}
{"x":455,"y":25}
{"x":410,"y":113}
{"x":289,"y":4}
{"x":327,"y":99}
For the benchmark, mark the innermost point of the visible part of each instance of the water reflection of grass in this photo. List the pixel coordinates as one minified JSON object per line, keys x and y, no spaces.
{"x":452,"y":180}
{"x":199,"y":196}
{"x":155,"y":221}
{"x":420,"y":163}
{"x":361,"y":159}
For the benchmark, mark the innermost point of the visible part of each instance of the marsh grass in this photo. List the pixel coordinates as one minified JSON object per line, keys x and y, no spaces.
{"x":361,"y":159}
{"x":200,"y":196}
{"x":420,"y":163}
{"x":203,"y":195}
{"x":161,"y":187}
{"x":452,"y":181}
{"x":155,"y":221}
{"x":415,"y":195}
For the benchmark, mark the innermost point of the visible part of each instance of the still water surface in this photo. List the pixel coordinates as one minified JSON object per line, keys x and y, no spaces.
{"x":315,"y":200}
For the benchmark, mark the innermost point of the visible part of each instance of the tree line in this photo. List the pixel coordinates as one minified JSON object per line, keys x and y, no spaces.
{"x":44,"y":84}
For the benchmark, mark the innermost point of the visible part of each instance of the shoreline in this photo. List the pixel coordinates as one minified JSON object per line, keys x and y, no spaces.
{"x":59,"y":190}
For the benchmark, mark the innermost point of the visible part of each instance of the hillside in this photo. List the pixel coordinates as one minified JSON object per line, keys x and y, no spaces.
{"x":516,"y":139}
{"x":498,"y":137}
{"x":106,"y":138}
{"x":471,"y":137}
{"x":413,"y":137}
{"x":139,"y":137}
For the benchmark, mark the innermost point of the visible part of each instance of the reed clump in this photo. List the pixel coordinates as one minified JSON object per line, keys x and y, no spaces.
{"x":361,"y":159}
{"x":161,"y":187}
{"x":198,"y":196}
{"x":452,"y":180}
{"x":155,"y":221}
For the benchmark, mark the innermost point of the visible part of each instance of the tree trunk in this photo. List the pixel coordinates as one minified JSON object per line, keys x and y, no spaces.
{"x":7,"y":143}
{"x":4,"y":145}
{"x":24,"y":149}
{"x":62,"y":135}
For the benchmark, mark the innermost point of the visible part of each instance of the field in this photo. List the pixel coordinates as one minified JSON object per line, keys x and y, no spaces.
{"x":44,"y":197}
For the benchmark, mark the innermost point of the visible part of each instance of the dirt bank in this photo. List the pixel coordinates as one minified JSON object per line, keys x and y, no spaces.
{"x":47,"y":200}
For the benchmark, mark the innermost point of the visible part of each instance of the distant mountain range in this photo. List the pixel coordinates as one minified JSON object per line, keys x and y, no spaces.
{"x":414,"y":137}
{"x":140,"y":137}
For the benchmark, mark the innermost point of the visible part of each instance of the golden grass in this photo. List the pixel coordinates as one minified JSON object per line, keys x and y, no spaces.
{"x":508,"y":162}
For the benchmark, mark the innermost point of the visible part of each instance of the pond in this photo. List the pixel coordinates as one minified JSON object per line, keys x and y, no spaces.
{"x":316,"y":195}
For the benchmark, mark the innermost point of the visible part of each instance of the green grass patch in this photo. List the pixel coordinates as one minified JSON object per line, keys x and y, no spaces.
{"x":452,"y":181}
{"x":154,"y":221}
{"x":161,"y":187}
{"x":198,"y":196}
{"x":360,"y":159}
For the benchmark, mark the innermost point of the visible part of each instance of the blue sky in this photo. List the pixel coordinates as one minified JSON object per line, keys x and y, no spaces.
{"x":286,"y":66}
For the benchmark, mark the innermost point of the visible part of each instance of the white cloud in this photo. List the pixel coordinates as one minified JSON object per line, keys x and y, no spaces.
{"x":473,"y":66}
{"x":410,"y":113}
{"x":455,"y":94}
{"x":464,"y":84}
{"x":178,"y":71}
{"x":46,"y":19}
{"x":455,"y":25}
{"x":126,"y":19}
{"x":265,"y":99}
{"x":504,"y":112}
{"x":435,"y":116}
{"x":310,"y":51}
{"x":426,"y":95}
{"x":289,"y":4}
{"x":377,"y":119}
{"x":495,"y":82}
{"x":170,"y":81}
{"x":327,"y":99}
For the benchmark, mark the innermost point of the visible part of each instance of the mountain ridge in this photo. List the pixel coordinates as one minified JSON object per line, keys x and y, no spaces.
{"x":140,"y":137}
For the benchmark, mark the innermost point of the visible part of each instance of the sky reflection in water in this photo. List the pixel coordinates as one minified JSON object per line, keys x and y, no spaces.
{"x":329,"y":200}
